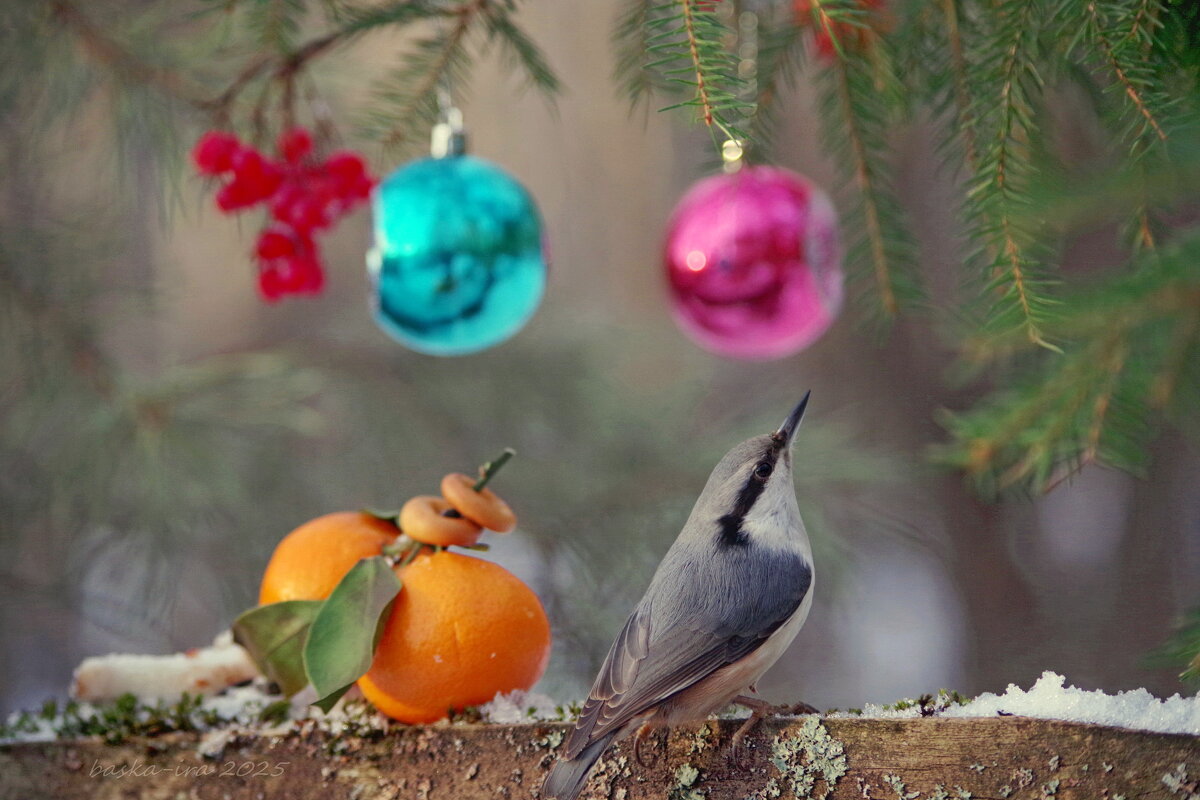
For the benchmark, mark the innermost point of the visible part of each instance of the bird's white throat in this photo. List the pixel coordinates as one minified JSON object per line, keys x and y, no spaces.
{"x":774,"y":520}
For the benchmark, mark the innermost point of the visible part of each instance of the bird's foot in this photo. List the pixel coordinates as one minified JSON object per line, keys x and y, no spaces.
{"x":639,"y":740}
{"x":759,"y":709}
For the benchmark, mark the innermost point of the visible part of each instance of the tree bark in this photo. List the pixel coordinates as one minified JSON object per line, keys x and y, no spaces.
{"x":844,"y":759}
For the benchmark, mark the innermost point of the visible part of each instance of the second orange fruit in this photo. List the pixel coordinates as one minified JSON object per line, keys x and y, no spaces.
{"x":312,"y":559}
{"x":461,"y":630}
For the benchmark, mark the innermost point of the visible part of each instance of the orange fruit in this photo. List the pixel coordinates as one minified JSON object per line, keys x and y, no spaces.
{"x":461,"y":630}
{"x":483,"y":506}
{"x":421,"y":518}
{"x":311,"y":560}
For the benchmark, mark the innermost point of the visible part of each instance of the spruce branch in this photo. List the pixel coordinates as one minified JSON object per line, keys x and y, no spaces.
{"x":76,"y":337}
{"x":108,"y":52}
{"x":276,"y":23}
{"x":965,"y":122}
{"x":1014,"y":288}
{"x":706,"y":107}
{"x":409,"y":94}
{"x":780,"y":53}
{"x":859,"y":110}
{"x":1129,"y":341}
{"x":683,"y":45}
{"x":521,"y":51}
{"x":1130,"y":73}
{"x":867,"y":192}
{"x":631,"y":41}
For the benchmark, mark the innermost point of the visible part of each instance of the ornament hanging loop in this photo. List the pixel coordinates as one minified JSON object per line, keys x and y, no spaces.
{"x":732,"y":151}
{"x":448,"y":137}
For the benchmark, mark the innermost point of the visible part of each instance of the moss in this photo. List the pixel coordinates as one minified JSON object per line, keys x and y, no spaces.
{"x":899,"y":788}
{"x":685,"y":779}
{"x":115,"y":722}
{"x":551,"y":741}
{"x":808,"y":755}
{"x":1177,"y":781}
{"x":769,"y":791}
{"x":701,"y":740}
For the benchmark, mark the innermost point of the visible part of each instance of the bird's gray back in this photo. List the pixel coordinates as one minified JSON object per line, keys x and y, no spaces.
{"x":709,"y":604}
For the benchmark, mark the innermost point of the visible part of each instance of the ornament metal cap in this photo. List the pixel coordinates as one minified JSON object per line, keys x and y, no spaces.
{"x":732,"y":151}
{"x":448,"y":137}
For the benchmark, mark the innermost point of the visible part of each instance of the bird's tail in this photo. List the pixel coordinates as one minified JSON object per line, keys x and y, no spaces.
{"x":567,"y":776}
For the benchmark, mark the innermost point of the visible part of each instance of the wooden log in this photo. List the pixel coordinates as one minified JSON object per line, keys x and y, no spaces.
{"x":1007,"y":758}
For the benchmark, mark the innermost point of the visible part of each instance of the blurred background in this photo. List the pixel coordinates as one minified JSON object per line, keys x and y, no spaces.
{"x":161,"y":428}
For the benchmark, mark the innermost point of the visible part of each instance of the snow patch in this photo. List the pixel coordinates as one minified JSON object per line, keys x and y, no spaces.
{"x":1050,"y":698}
{"x":520,"y":706}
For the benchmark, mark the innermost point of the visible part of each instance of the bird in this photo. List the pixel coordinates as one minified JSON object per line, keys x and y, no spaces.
{"x":727,"y":599}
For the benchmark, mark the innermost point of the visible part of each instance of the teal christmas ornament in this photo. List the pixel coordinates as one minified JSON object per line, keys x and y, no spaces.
{"x":458,"y":263}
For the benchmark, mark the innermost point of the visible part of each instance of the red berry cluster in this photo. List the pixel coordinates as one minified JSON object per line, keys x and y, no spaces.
{"x":304,"y":195}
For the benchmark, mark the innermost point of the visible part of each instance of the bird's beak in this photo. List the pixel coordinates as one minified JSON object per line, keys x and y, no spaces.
{"x":787,"y":431}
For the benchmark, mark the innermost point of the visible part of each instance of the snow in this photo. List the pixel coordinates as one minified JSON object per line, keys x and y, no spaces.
{"x":240,"y":709}
{"x":1050,"y":698}
{"x":520,"y":706}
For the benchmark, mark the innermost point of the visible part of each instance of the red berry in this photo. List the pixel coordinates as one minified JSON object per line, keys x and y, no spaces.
{"x":260,"y":176}
{"x":294,"y":145}
{"x":274,"y":244}
{"x":270,"y":283}
{"x":213,"y":152}
{"x":236,"y":195}
{"x":309,"y":214}
{"x":345,"y":169}
{"x":283,"y":201}
{"x":313,"y":277}
{"x":298,"y":273}
{"x":362,"y":188}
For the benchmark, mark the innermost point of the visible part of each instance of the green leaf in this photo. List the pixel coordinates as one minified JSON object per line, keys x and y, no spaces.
{"x":387,"y":515}
{"x":274,"y":636}
{"x":341,"y":642}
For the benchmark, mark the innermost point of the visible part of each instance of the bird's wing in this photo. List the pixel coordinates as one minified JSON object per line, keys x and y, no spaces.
{"x":712,"y":613}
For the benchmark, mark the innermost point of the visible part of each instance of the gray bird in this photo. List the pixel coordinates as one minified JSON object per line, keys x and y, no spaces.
{"x":726,"y":601}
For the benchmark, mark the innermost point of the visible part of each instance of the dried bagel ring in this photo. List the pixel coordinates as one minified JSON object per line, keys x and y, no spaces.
{"x":421,"y":518}
{"x":484,"y":506}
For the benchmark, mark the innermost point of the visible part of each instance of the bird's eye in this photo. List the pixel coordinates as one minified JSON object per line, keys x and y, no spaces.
{"x":762,"y":470}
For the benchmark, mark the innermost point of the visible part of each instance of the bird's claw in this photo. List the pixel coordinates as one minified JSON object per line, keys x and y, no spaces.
{"x":639,"y":740}
{"x":739,"y":751}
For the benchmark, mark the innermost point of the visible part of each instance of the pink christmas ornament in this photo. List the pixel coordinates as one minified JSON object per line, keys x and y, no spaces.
{"x":754,"y":264}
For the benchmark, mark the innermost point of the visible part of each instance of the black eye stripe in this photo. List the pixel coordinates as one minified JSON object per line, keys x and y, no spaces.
{"x":731,"y":532}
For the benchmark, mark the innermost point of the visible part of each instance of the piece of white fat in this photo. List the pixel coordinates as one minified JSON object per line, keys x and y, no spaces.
{"x":203,"y":670}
